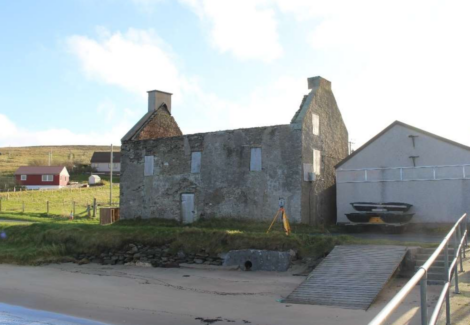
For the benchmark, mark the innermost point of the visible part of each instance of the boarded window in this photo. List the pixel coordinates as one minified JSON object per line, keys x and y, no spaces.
{"x":316,"y":161}
{"x":315,"y":124}
{"x":195,"y":162}
{"x":255,"y":161}
{"x":148,"y":166}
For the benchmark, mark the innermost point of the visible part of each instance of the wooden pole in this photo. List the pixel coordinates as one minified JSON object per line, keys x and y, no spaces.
{"x":94,"y":207}
{"x":47,"y":207}
{"x":111,"y":178}
{"x":23,"y":206}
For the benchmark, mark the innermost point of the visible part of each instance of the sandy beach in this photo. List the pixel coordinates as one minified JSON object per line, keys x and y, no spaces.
{"x":143,"y":295}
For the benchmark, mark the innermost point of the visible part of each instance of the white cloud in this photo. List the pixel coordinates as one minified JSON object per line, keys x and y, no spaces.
{"x":108,"y":60}
{"x":245,"y":28}
{"x":400,"y":60}
{"x":137,"y":60}
{"x":13,"y":135}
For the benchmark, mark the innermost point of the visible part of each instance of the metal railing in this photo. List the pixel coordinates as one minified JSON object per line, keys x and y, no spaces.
{"x":402,"y":174}
{"x":458,"y":236}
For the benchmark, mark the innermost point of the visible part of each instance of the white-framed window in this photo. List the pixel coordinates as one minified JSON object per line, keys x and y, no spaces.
{"x":316,"y":161}
{"x":196,"y":162}
{"x":47,"y":178}
{"x":148,"y":165}
{"x":315,"y":124}
{"x":24,"y":177}
{"x":255,"y":159}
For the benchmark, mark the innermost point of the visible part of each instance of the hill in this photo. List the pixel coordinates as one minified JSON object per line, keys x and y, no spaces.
{"x":13,"y":157}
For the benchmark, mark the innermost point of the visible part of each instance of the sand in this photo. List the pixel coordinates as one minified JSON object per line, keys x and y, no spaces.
{"x":142,"y":295}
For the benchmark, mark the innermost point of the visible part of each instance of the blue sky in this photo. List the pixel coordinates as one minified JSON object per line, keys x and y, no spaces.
{"x":77,"y":71}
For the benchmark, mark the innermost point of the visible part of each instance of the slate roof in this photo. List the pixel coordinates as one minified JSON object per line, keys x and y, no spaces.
{"x":105,"y":157}
{"x":410,"y":127}
{"x":39,"y":170}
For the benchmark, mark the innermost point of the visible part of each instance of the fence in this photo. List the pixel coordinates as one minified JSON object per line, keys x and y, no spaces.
{"x":458,"y":234}
{"x":404,"y":174}
{"x":79,"y":201}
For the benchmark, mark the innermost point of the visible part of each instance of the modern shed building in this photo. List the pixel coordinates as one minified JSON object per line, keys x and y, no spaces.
{"x":406,"y":164}
{"x":42,"y":177}
{"x":101,"y":162}
{"x":236,"y":173}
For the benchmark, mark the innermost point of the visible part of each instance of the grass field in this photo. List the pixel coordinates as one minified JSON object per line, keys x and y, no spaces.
{"x":61,"y":202}
{"x":13,"y":157}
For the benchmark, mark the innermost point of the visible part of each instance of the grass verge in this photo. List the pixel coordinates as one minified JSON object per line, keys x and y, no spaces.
{"x":54,"y":239}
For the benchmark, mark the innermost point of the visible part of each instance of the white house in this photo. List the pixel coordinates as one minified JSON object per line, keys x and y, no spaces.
{"x":101,"y":162}
{"x":406,"y":164}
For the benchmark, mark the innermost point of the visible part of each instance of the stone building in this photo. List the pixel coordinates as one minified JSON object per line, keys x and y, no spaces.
{"x":236,"y":173}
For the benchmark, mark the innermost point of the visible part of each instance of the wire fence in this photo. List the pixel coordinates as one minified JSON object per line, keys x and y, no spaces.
{"x":76,"y":201}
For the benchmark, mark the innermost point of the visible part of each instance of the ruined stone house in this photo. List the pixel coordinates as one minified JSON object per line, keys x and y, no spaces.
{"x":236,"y":173}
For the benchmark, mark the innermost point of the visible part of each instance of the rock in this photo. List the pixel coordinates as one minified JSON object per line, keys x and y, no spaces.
{"x":144,"y":264}
{"x":198,"y":261}
{"x":83,"y":261}
{"x":181,"y":255}
{"x":136,"y":256}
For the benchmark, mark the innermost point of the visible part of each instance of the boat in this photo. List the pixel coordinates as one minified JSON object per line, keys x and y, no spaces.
{"x":380,"y":217}
{"x":381,"y":207}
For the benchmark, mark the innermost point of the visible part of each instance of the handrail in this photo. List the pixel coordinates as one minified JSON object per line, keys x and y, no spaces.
{"x":458,"y":230}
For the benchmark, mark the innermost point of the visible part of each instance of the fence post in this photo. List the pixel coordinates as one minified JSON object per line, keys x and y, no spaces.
{"x":424,"y":305}
{"x":23,"y":206}
{"x":447,"y":279}
{"x":47,"y":207}
{"x":73,"y":207}
{"x":94,"y":207}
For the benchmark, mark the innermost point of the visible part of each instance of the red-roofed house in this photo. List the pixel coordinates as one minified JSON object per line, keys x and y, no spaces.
{"x":38,"y":177}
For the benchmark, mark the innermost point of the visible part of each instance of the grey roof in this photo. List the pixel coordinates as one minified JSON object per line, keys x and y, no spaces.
{"x":40,"y":170}
{"x":142,"y":123}
{"x":408,"y":127}
{"x":105,"y":157}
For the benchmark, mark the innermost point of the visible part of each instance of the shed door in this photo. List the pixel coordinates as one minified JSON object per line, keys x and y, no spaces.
{"x":187,"y":206}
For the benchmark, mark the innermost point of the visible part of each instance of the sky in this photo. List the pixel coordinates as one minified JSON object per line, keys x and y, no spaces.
{"x":78,"y":71}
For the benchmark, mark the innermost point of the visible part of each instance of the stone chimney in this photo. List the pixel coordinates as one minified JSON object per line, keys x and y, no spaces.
{"x":316,"y":82}
{"x":157,"y":97}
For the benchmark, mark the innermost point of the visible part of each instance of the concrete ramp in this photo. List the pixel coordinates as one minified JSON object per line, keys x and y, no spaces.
{"x":349,"y":277}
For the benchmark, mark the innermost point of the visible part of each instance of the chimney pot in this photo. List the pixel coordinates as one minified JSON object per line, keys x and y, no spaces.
{"x":157,"y":97}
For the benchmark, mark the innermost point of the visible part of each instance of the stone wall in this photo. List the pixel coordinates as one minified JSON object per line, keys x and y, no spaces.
{"x":319,"y":197}
{"x":162,"y":125}
{"x":225,"y":186}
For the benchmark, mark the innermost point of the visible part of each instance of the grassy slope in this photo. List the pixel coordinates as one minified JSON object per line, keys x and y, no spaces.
{"x":54,"y":238}
{"x":60,"y":201}
{"x":13,"y":157}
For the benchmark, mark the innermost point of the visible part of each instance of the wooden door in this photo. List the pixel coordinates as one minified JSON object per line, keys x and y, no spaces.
{"x":187,"y":207}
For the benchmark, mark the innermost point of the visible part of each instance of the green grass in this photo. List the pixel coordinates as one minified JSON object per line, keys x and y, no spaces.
{"x":60,"y":201}
{"x":51,"y":238}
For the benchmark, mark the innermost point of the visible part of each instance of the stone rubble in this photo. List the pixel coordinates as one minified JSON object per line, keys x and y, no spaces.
{"x":143,"y":255}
